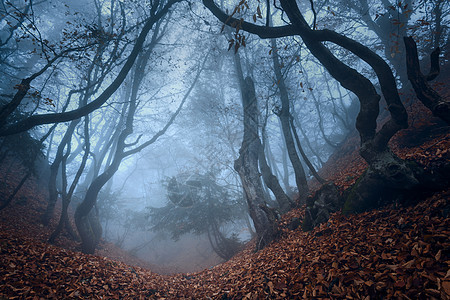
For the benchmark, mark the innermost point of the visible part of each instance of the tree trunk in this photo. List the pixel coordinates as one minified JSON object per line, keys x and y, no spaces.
{"x":273,"y":184}
{"x":439,"y":106}
{"x":270,"y":179}
{"x":246,"y":165}
{"x":88,"y":225}
{"x":90,"y":231}
{"x":303,"y":154}
{"x":383,"y":182}
{"x":54,"y":168}
{"x":283,"y":114}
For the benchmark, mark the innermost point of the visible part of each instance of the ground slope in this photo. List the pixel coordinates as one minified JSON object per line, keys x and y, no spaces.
{"x":395,"y":252}
{"x":392,"y":252}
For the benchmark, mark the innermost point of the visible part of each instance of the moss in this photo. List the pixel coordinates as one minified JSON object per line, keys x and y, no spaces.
{"x":351,"y":200}
{"x":307,"y":224}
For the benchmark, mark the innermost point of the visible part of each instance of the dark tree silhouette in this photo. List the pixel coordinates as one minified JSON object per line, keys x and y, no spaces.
{"x":158,"y":11}
{"x":439,"y":106}
{"x":387,"y":175}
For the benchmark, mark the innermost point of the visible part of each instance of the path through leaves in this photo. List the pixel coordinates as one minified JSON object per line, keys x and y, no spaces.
{"x":394,"y":252}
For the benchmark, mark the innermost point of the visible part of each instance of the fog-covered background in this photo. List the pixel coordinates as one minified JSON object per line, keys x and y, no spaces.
{"x":174,"y":198}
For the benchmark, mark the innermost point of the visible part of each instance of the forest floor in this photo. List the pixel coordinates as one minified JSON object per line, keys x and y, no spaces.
{"x":394,"y":252}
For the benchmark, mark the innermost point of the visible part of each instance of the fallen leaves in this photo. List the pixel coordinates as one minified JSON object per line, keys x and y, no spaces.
{"x":385,"y":253}
{"x":395,"y":252}
{"x":60,"y":274}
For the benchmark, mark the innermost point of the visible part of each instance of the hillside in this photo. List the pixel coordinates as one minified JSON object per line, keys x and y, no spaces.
{"x":385,"y":253}
{"x":395,"y":252}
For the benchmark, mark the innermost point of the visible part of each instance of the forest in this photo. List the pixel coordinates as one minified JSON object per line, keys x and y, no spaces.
{"x":179,"y":149}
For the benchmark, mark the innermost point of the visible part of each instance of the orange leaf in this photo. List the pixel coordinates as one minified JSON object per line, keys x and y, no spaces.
{"x":270,"y":284}
{"x":438,"y":255}
{"x":446,"y":286}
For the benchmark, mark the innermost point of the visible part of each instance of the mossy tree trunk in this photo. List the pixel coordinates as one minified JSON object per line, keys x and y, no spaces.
{"x":386,"y":171}
{"x":385,"y":168}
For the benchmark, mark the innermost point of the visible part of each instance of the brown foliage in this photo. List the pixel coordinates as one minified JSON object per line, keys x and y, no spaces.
{"x":395,"y":252}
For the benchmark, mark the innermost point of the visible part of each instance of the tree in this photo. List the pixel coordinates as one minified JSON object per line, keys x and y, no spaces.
{"x":251,"y":124}
{"x":88,"y":224}
{"x":387,"y":175}
{"x":439,"y":106}
{"x":264,"y":218}
{"x":389,"y":22}
{"x":271,"y":181}
{"x":157,"y":12}
{"x":284,"y":115}
{"x":197,"y":204}
{"x":91,"y":82}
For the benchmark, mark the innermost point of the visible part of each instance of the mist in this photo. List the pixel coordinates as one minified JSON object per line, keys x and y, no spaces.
{"x":137,"y":114}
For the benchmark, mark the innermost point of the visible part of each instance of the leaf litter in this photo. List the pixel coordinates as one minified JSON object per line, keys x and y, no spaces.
{"x":394,"y":252}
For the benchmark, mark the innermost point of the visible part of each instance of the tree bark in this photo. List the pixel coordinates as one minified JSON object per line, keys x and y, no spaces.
{"x":427,"y":95}
{"x":303,"y":154}
{"x":384,"y":167}
{"x":284,"y":115}
{"x":54,"y":169}
{"x":273,"y":184}
{"x":246,"y":165}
